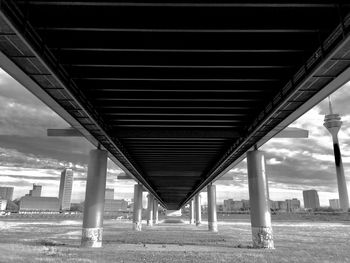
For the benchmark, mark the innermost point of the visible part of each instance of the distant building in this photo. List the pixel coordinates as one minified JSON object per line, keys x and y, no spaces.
{"x":246,"y":204}
{"x":115,"y":205}
{"x":6,"y":193}
{"x":231,"y":205}
{"x":3,"y":204}
{"x":109,"y":194}
{"x":273,"y":205}
{"x":36,"y":191}
{"x":38,"y":204}
{"x":282,"y":205}
{"x":66,"y":186}
{"x":292,"y":204}
{"x":228,"y":205}
{"x":334,"y":203}
{"x":220,"y":208}
{"x":237,"y":205}
{"x":311,"y":199}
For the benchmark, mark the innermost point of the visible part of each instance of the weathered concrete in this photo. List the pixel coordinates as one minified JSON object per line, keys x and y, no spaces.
{"x":150,"y":210}
{"x":333,"y":123}
{"x":137,"y":216}
{"x":94,"y":199}
{"x":260,"y":215}
{"x":192,"y":213}
{"x":212,"y":218}
{"x":198,"y":209}
{"x":155,"y":212}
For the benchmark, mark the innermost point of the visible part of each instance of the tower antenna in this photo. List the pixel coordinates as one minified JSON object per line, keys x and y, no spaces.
{"x":330,"y":105}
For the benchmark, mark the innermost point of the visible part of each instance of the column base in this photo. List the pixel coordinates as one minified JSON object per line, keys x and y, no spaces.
{"x":198,"y":223}
{"x":137,"y":226}
{"x":149,"y":223}
{"x":213,"y":226}
{"x":92,"y":237}
{"x":155,"y":222}
{"x":262,"y":237}
{"x":191,"y":222}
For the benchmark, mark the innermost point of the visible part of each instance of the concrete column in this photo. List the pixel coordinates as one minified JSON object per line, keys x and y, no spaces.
{"x":212,"y":219}
{"x":150,"y":210}
{"x":155,"y":212}
{"x":260,"y":215}
{"x":198,"y":208}
{"x":192,"y":213}
{"x":137,"y":217}
{"x":94,"y":199}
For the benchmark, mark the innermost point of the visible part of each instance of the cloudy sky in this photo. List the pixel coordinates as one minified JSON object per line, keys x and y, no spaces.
{"x":28,"y":156}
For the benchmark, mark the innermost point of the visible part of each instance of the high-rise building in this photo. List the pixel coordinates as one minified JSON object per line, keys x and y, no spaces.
{"x":109,"y":194}
{"x":36,"y":191}
{"x":311,"y":199}
{"x":334,"y":203}
{"x":66,"y":185}
{"x":6,"y":193}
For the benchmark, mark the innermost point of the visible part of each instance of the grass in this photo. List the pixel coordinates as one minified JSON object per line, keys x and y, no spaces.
{"x":58,"y":241}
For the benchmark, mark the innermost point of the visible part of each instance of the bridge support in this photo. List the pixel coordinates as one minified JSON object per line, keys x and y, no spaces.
{"x":137,"y":217}
{"x":212,"y":219}
{"x":155,"y":212}
{"x":260,"y":215}
{"x":192,"y":214}
{"x":197,"y":204}
{"x":150,"y":210}
{"x":94,"y":199}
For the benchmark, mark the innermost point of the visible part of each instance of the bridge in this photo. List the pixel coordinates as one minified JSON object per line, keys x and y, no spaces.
{"x":176,"y":92}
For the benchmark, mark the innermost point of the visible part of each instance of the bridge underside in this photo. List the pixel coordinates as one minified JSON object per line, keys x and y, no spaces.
{"x":177,"y":92}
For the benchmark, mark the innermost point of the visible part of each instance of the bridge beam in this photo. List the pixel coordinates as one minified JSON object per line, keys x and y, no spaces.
{"x":198,"y":208}
{"x":260,"y":214}
{"x":94,"y":199}
{"x":137,"y":216}
{"x":212,"y":218}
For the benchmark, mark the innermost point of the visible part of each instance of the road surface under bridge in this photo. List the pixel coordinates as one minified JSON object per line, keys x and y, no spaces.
{"x":176,"y":93}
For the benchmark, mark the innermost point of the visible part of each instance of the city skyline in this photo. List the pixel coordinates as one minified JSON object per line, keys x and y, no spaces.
{"x":28,"y":155}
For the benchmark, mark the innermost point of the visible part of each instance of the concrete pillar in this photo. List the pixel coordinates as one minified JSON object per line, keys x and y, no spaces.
{"x":94,"y":199}
{"x":212,"y":219}
{"x":137,"y":217}
{"x":192,"y":213}
{"x":198,"y":208}
{"x":155,"y":212}
{"x":260,"y":215}
{"x":333,"y":124}
{"x":150,"y":210}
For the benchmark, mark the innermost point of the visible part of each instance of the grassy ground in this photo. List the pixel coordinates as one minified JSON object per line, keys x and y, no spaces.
{"x":58,"y":241}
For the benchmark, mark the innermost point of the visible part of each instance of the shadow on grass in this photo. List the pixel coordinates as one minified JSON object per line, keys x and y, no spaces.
{"x":51,"y":243}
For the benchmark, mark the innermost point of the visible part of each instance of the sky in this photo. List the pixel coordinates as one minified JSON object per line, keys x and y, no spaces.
{"x":28,"y":155}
